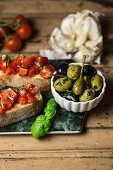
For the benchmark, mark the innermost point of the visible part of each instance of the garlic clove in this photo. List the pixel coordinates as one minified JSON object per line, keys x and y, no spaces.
{"x":98,"y":44}
{"x":67,"y":26}
{"x":94,"y":31}
{"x":53,"y":41}
{"x":59,"y":42}
{"x":84,"y":30}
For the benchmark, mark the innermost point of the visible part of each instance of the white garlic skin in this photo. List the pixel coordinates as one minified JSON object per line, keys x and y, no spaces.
{"x":79,"y":34}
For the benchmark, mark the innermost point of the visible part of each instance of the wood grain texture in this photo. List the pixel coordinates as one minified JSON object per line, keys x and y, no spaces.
{"x":57,"y":164}
{"x":93,"y":148}
{"x":91,"y":139}
{"x":54,"y":6}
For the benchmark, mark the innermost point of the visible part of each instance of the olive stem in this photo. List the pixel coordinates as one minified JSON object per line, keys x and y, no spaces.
{"x":84,"y":57}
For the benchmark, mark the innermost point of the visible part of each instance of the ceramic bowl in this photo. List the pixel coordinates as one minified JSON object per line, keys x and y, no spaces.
{"x":78,"y":106}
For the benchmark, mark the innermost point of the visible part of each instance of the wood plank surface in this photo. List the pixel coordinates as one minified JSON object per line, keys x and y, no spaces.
{"x":93,"y":148}
{"x":54,"y":6}
{"x":79,"y":160}
{"x":91,"y":139}
{"x":57,"y":164}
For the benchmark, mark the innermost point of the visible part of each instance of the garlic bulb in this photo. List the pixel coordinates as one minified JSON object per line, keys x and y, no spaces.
{"x":79,"y":34}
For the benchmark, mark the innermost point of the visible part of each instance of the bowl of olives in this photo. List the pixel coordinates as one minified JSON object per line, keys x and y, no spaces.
{"x":77,"y":87}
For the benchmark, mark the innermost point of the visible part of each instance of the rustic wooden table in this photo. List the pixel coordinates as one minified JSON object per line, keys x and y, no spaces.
{"x":92,"y":149}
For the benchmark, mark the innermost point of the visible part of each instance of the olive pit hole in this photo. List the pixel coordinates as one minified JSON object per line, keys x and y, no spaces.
{"x":95,"y":87}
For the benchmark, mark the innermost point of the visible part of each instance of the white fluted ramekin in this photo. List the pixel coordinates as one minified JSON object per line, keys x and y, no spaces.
{"x":78,"y":106}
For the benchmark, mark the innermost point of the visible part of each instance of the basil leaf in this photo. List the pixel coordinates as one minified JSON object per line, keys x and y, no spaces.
{"x":5,"y":57}
{"x":6,"y":87}
{"x":40,"y":127}
{"x":3,"y":24}
{"x":50,"y":113}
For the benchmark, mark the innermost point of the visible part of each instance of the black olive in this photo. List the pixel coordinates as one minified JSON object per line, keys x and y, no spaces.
{"x":69,"y":95}
{"x":62,"y":69}
{"x":89,"y":70}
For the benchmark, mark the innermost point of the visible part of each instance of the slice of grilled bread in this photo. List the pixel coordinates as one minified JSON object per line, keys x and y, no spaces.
{"x":20,"y":112}
{"x":16,"y":81}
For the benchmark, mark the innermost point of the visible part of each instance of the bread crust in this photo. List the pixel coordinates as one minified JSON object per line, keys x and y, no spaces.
{"x":20,"y":112}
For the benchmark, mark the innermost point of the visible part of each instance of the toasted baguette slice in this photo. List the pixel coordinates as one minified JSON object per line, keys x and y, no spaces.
{"x":16,"y":81}
{"x":20,"y":112}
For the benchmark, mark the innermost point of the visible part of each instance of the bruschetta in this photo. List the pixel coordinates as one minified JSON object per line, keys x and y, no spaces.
{"x":19,"y":104}
{"x":20,"y":70}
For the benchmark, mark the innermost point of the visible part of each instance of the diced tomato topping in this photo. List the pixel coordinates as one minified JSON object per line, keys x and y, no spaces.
{"x":8,"y":70}
{"x":6,"y":104}
{"x":3,"y":94}
{"x":20,"y":59}
{"x":0,"y":62}
{"x":31,"y":88}
{"x":28,"y":62}
{"x":14,"y":63}
{"x":1,"y":111}
{"x":47,"y":71}
{"x":21,"y":56}
{"x":33,"y":70}
{"x":23,"y":92}
{"x":42,"y":60}
{"x":28,"y":66}
{"x":23,"y":71}
{"x":22,"y":100}
{"x":11,"y":94}
{"x":34,"y":90}
{"x":31,"y":98}
{"x":4,"y":65}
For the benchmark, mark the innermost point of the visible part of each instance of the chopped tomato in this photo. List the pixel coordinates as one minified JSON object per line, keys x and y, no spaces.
{"x":22,"y":100}
{"x":28,"y":62}
{"x":4,"y":65}
{"x":33,"y":70}
{"x":1,"y":111}
{"x":14,"y":63}
{"x":20,"y":59}
{"x":0,"y":62}
{"x":11,"y":94}
{"x":6,"y":103}
{"x":22,"y":92}
{"x":47,"y":71}
{"x":31,"y":88}
{"x":8,"y":70}
{"x":3,"y":94}
{"x":23,"y":71}
{"x":34,"y":90}
{"x":42,"y":60}
{"x":31,"y":98}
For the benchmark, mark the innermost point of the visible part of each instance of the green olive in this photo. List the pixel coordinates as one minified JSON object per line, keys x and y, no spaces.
{"x":62,"y":84}
{"x":87,"y":81}
{"x":73,"y":72}
{"x":79,"y":86}
{"x":87,"y":95}
{"x":96,"y":82}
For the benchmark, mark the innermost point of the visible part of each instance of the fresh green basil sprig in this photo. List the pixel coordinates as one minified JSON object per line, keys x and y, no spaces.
{"x":43,"y":123}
